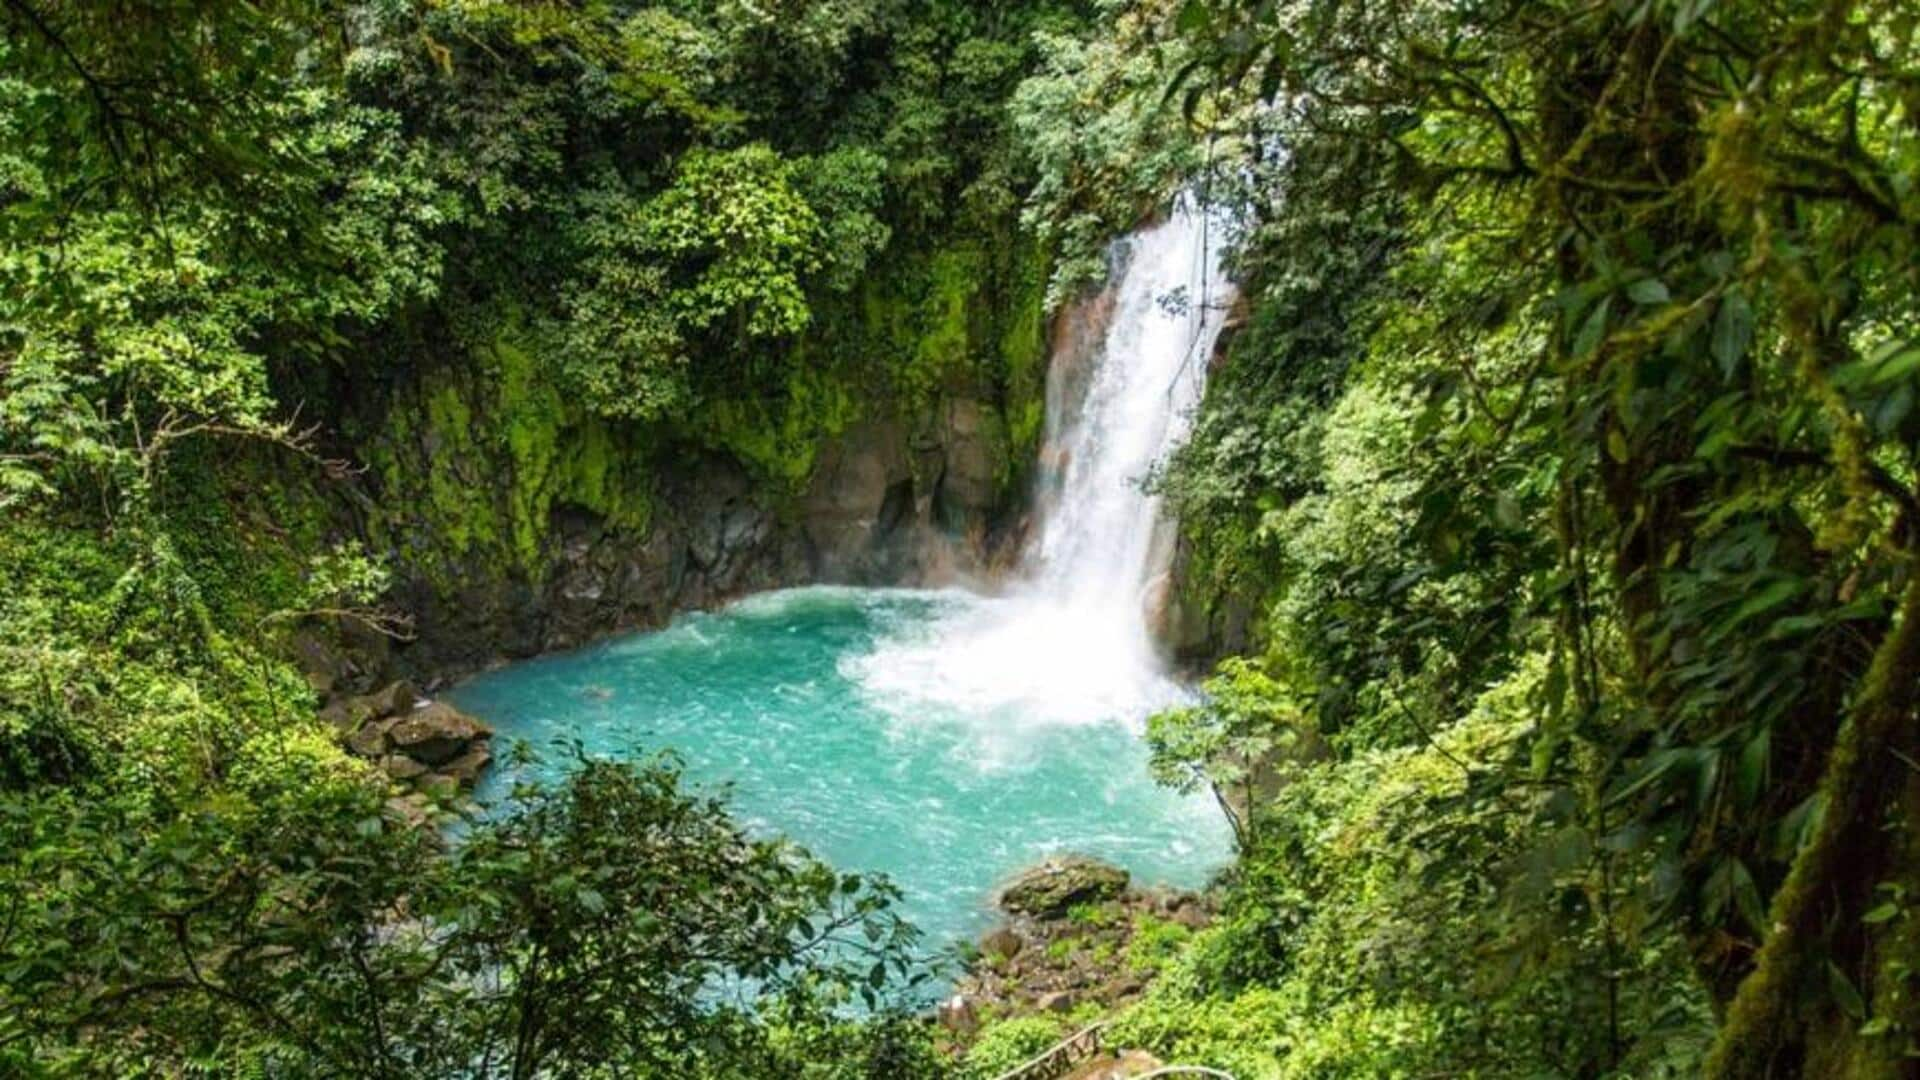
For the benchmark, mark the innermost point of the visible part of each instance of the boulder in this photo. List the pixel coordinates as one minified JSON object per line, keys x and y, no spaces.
{"x":957,"y":1015}
{"x":1057,"y":1001}
{"x":1048,"y":890}
{"x":401,"y":767}
{"x":411,"y":811}
{"x":437,"y":786}
{"x":392,"y":699}
{"x":435,"y":734}
{"x":1191,"y":916}
{"x":467,"y":768}
{"x":341,"y":718}
{"x":354,"y":714}
{"x":371,"y":740}
{"x":1002,"y":942}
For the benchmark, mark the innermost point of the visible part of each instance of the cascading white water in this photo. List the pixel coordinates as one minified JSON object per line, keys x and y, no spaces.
{"x":1102,"y":541}
{"x":1070,"y":642}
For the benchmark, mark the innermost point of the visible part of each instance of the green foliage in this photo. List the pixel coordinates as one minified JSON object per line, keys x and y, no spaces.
{"x":1105,"y":153}
{"x":1578,"y":349}
{"x":580,"y":927}
{"x":727,"y":243}
{"x":845,"y":187}
{"x":1232,"y":742}
{"x":1093,"y":914}
{"x":1005,"y":1043}
{"x":1155,"y":941}
{"x":1379,"y":928}
{"x":141,"y":658}
{"x":501,"y":255}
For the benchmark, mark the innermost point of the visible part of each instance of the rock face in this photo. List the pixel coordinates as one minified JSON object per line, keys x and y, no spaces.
{"x":428,"y":748}
{"x":1001,"y":941}
{"x":884,"y":503}
{"x":1057,"y":1001}
{"x":1050,"y":889}
{"x":518,"y":519}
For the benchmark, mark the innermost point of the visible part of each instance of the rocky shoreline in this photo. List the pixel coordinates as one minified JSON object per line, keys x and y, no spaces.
{"x":431,"y":753}
{"x":1078,"y":941}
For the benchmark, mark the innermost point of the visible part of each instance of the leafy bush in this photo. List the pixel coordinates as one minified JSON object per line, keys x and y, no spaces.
{"x":1154,"y":943}
{"x":1005,"y":1043}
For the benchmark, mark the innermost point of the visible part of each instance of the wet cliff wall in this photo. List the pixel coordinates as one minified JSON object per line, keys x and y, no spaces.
{"x":893,"y":442}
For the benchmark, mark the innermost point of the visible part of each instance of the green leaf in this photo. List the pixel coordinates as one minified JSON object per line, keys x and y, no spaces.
{"x":1732,"y":331}
{"x":1752,"y":771}
{"x":1655,"y":766}
{"x":1746,"y":897}
{"x":1883,"y":913}
{"x":1768,"y":598}
{"x":1898,"y":366}
{"x":1649,"y":291}
{"x":1845,"y":994}
{"x":1617,"y":446}
{"x":1592,"y":330}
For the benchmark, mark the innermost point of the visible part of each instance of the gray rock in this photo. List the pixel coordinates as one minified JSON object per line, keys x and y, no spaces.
{"x":467,"y":768}
{"x":969,"y":479}
{"x":392,"y":699}
{"x":342,"y":720}
{"x":1057,"y":1001}
{"x":1001,"y":941}
{"x":1191,"y":916}
{"x":371,"y":740}
{"x":410,"y":810}
{"x":1048,"y":890}
{"x":437,"y":786}
{"x":401,"y":767}
{"x":958,"y":1015}
{"x":435,"y":734}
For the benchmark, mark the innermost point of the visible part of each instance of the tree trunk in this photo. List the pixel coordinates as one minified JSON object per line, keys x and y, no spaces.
{"x":1789,"y":1017}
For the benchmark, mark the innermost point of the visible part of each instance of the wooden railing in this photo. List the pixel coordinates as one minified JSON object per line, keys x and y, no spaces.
{"x":1060,"y":1058}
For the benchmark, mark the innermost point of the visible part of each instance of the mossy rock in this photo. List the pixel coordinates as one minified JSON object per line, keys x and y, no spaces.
{"x":1048,"y":890}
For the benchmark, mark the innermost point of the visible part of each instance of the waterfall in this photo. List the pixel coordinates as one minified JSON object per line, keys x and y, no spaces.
{"x":1102,"y":541}
{"x":1070,"y":640}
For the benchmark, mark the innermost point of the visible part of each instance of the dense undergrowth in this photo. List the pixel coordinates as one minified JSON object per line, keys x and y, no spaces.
{"x":301,"y":298}
{"x":1555,"y":497}
{"x":1557,"y":493}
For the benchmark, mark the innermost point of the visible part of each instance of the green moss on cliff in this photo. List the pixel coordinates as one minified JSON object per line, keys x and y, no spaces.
{"x":778,"y":436}
{"x":965,"y":321}
{"x":475,"y":455}
{"x":1024,"y":354}
{"x":453,"y":436}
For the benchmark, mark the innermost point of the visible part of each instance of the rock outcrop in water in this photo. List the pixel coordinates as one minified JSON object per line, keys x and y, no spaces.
{"x":1055,"y":886}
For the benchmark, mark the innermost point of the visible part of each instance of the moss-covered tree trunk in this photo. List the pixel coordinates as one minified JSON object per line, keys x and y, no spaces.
{"x":1828,"y":989}
{"x":1835,"y":993}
